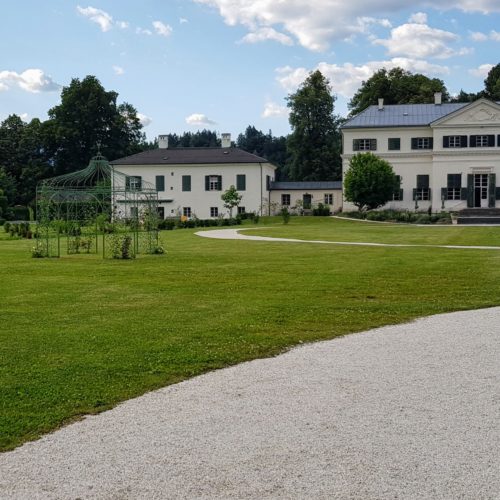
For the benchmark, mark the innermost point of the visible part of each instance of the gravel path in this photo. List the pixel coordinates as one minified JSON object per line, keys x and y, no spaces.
{"x":408,"y":412}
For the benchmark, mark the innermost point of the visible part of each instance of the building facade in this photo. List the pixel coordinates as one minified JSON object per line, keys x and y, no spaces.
{"x":446,"y":155}
{"x":190,"y":181}
{"x":303,"y":196}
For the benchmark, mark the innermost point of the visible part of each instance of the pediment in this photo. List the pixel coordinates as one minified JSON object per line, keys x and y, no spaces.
{"x":481,"y":112}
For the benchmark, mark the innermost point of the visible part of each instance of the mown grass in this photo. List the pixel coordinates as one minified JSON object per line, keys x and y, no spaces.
{"x":79,"y":334}
{"x":328,"y":229}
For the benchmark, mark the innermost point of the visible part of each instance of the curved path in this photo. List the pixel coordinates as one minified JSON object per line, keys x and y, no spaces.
{"x":408,"y":411}
{"x":234,"y":234}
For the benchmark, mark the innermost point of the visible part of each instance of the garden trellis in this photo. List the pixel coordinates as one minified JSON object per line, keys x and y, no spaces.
{"x":96,"y":210}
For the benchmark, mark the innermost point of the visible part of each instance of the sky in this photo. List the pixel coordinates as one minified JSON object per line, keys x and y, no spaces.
{"x":186,"y":65}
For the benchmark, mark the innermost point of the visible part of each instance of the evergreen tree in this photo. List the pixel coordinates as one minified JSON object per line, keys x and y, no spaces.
{"x":492,"y":84}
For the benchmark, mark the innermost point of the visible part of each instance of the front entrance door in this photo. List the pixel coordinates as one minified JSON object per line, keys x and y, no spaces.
{"x":481,"y":190}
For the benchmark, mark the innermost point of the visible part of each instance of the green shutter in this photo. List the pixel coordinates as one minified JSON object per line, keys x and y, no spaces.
{"x":241,"y":182}
{"x":400,"y":195}
{"x":463,"y":141}
{"x":219,"y":183}
{"x":444,"y":193}
{"x":373,"y":144}
{"x":355,"y":144}
{"x":186,"y":183}
{"x":414,"y":143}
{"x":446,"y":141}
{"x":472,"y":142}
{"x":491,"y":190}
{"x":497,"y":193}
{"x":470,"y":188}
{"x":207,"y":183}
{"x":414,"y":194}
{"x":491,"y":141}
{"x":127,"y":182}
{"x":463,"y":193}
{"x":160,"y":183}
{"x":431,"y":142}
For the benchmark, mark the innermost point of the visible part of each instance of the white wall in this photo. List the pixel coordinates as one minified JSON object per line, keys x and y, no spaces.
{"x":318,"y":196}
{"x":200,"y":200}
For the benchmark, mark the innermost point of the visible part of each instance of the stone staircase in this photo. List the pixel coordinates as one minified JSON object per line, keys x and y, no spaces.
{"x":479,"y":216}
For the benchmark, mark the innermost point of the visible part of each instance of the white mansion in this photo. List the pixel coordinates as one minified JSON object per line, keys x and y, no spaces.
{"x":447,"y":155}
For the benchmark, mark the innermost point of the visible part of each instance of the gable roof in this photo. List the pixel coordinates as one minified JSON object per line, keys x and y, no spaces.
{"x":402,"y":115}
{"x":184,"y":156}
{"x":303,"y":186}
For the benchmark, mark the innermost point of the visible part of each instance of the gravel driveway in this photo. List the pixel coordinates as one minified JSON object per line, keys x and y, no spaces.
{"x":408,"y":412}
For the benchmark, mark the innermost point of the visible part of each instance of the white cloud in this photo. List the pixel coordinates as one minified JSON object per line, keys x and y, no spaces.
{"x":264,"y":34}
{"x":142,"y":31}
{"x":495,"y":35}
{"x":420,"y":41}
{"x":347,"y":78}
{"x":199,"y":119}
{"x":145,"y":120}
{"x":183,"y":20}
{"x":118,"y":70}
{"x":418,"y":18}
{"x":316,"y":24}
{"x":31,"y":80}
{"x":481,"y":71}
{"x":98,"y":16}
{"x":477,"y":36}
{"x":162,"y":29}
{"x":272,"y":109}
{"x":24,"y":117}
{"x":123,"y":25}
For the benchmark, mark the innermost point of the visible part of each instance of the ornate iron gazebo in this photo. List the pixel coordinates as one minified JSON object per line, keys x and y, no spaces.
{"x":96,"y":210}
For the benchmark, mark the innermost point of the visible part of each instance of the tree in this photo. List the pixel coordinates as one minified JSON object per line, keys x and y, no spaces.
{"x":396,"y":86}
{"x":231,"y":199}
{"x":314,"y":144}
{"x":266,"y":145}
{"x":89,"y":116}
{"x":492,"y":84}
{"x":370,"y":181}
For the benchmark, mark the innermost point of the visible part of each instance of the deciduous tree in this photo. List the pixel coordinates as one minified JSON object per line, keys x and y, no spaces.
{"x":369,"y":182}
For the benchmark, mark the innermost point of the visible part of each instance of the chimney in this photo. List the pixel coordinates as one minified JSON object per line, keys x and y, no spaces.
{"x":163,"y":141}
{"x":381,"y":104}
{"x":437,"y":98}
{"x":226,"y":140}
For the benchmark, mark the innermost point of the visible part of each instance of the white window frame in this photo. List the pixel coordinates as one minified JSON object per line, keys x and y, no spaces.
{"x":423,"y":143}
{"x":285,"y":200}
{"x":328,"y":198}
{"x":481,"y":141}
{"x":213,"y":183}
{"x":214,"y":211}
{"x":186,"y":211}
{"x":455,"y":141}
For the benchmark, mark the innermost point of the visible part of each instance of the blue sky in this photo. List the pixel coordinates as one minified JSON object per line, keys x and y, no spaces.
{"x":226,"y":64}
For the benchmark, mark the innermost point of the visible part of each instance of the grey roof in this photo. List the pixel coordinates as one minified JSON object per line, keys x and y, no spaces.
{"x":303,"y":186}
{"x":402,"y":115}
{"x":176,"y":156}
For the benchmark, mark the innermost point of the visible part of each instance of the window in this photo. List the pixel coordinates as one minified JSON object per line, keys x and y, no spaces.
{"x":160,"y":183}
{"x":186,"y":211}
{"x":455,"y":141}
{"x":364,"y":144}
{"x":328,"y":199}
{"x":241,"y":210}
{"x":241,"y":182}
{"x":186,"y":183}
{"x":213,"y":183}
{"x":214,"y":211}
{"x":397,"y":195}
{"x":422,"y":192}
{"x":134,"y":212}
{"x":394,"y":144}
{"x":453,"y":186}
{"x":421,"y":143}
{"x":285,"y":200}
{"x":161,"y":212}
{"x":133,"y":182}
{"x":482,"y":141}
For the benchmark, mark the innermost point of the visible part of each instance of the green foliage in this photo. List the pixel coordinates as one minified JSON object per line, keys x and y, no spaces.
{"x":369,"y":182}
{"x":396,"y":86}
{"x":231,"y":199}
{"x":266,"y":145}
{"x":404,"y":216}
{"x":200,"y":139}
{"x":121,"y":246}
{"x":321,"y":210}
{"x":285,"y":215}
{"x":492,"y":84}
{"x":315,"y":142}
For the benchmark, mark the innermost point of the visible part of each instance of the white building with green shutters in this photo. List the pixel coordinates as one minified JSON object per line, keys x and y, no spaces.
{"x":190,"y":181}
{"x":446,"y":155}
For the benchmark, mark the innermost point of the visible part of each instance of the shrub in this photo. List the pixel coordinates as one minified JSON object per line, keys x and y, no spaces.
{"x":285,"y":215}
{"x":2,"y":222}
{"x":321,"y":210}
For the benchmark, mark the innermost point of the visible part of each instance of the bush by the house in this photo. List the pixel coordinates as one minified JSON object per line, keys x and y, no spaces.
{"x":321,"y":210}
{"x":404,"y":216}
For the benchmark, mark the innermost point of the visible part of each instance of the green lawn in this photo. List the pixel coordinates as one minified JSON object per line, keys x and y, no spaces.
{"x":79,"y":334}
